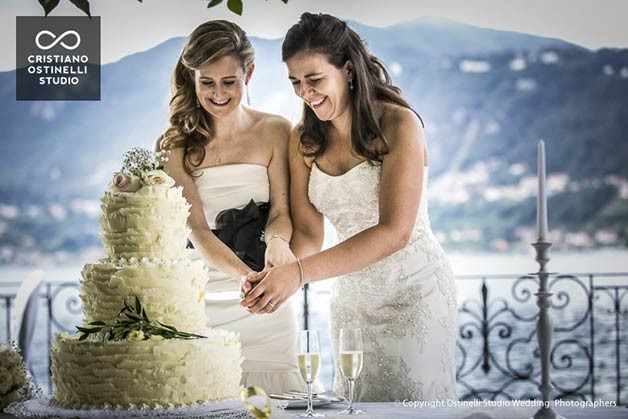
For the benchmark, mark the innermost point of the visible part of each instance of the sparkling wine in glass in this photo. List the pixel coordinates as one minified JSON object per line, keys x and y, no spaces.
{"x":309,"y":366}
{"x":351,"y":358}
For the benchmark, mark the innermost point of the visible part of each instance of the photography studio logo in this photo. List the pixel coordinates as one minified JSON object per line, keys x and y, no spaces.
{"x":58,"y":58}
{"x":58,"y":40}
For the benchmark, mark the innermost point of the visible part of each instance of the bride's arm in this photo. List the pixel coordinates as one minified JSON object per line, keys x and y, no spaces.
{"x":214,"y":251}
{"x":307,"y":222}
{"x":399,"y":195}
{"x":400,"y":192}
{"x":278,"y":231}
{"x":309,"y":228}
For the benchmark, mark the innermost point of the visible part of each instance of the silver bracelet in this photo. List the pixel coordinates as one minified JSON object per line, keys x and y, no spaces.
{"x":300,"y":273}
{"x":277,"y":236}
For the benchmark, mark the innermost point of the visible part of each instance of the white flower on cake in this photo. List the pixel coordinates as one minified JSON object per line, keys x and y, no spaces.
{"x":157,"y":178}
{"x":126,"y":182}
{"x":141,"y":168}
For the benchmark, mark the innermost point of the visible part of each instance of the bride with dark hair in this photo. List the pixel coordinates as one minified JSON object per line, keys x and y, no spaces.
{"x":232,"y":163}
{"x":359,"y":158}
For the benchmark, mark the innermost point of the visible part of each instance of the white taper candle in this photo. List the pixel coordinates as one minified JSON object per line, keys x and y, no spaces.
{"x":541,"y":200}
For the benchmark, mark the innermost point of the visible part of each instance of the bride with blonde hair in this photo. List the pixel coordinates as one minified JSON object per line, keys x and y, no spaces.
{"x":232,"y":163}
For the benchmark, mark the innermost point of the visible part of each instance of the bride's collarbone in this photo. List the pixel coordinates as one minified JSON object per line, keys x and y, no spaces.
{"x":222,"y":151}
{"x":337,"y":167}
{"x":222,"y":159}
{"x":235,"y":141}
{"x":338,"y":160}
{"x":231,"y":159}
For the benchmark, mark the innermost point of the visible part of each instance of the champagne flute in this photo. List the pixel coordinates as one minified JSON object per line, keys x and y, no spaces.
{"x":351,"y":356}
{"x":309,"y":366}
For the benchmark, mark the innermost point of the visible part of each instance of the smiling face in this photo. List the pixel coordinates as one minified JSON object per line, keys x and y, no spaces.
{"x":220,"y":85}
{"x":323,"y":87}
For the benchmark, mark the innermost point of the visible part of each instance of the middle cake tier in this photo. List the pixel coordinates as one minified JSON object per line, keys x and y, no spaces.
{"x":171,"y":292}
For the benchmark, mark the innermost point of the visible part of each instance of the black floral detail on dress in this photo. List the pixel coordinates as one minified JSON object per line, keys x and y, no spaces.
{"x":243,"y":231}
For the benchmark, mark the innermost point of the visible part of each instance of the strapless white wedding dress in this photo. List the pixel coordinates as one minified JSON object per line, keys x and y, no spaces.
{"x":405,"y":304}
{"x":268,"y":340}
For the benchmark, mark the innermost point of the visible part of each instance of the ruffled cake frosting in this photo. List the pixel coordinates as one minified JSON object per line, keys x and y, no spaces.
{"x":144,"y":235}
{"x":171,"y":292}
{"x":148,"y":223}
{"x":153,"y":373}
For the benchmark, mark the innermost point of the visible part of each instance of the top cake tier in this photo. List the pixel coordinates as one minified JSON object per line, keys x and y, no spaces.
{"x":150,"y":222}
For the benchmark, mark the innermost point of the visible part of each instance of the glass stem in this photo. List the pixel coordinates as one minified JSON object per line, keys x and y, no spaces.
{"x":309,"y":397}
{"x":350,"y":395}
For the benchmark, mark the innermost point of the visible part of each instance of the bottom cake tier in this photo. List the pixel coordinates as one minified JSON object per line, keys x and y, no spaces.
{"x":148,"y":374}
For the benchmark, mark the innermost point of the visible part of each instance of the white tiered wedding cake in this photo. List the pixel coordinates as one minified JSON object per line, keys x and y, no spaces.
{"x":144,"y":343}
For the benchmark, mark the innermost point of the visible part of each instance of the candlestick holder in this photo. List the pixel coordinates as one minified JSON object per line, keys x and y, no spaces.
{"x":544,"y":330}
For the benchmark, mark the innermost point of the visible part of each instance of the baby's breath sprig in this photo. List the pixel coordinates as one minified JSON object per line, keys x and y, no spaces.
{"x":140,"y":160}
{"x":133,"y":324}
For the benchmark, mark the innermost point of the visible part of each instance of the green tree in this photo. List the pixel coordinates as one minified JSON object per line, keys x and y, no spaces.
{"x":235,"y":6}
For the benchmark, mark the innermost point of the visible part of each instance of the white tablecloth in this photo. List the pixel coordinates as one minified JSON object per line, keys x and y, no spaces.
{"x":395,"y":410}
{"x":392,"y":410}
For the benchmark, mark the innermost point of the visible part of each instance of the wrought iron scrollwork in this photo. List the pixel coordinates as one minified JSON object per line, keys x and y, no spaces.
{"x":72,"y":304}
{"x":497,"y":354}
{"x":505,"y":330}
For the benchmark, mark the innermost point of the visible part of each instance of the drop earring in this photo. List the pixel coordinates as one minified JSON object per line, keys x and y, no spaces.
{"x":350,"y":84}
{"x":198,"y":104}
{"x":248,"y":98}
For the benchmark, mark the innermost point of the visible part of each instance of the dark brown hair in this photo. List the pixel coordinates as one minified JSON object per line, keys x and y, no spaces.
{"x":330,"y":36}
{"x":191,"y":126}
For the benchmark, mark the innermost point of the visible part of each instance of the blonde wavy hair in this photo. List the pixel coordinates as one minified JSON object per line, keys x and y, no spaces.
{"x":190,"y":126}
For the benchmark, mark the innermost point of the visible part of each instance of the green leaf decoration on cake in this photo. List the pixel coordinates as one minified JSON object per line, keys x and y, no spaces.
{"x":133,"y":324}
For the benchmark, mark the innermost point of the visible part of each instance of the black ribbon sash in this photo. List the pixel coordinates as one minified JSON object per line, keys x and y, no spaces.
{"x":243,"y":231}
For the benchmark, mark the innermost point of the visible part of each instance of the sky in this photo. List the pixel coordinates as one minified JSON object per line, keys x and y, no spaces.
{"x":129,"y":26}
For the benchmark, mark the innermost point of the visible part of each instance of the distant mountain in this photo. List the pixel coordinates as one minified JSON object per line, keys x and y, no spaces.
{"x":437,"y":37}
{"x":487,"y":96}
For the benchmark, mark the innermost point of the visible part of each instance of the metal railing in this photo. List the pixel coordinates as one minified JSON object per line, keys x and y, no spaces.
{"x":497,"y":354}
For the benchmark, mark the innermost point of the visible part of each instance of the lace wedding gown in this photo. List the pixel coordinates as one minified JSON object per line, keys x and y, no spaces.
{"x":405,"y":304}
{"x":268,"y":340}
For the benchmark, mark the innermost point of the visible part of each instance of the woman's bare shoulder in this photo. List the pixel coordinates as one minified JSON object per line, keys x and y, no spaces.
{"x":175,"y":154}
{"x":271,"y":123}
{"x":273,"y":130}
{"x":398,"y":120}
{"x":296,"y":135}
{"x":399,"y":117}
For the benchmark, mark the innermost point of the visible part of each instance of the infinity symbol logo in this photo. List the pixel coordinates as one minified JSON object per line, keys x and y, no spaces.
{"x":56,"y":40}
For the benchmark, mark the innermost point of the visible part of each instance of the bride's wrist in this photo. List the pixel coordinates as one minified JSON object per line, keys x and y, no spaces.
{"x":300,"y":272}
{"x":277,"y":238}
